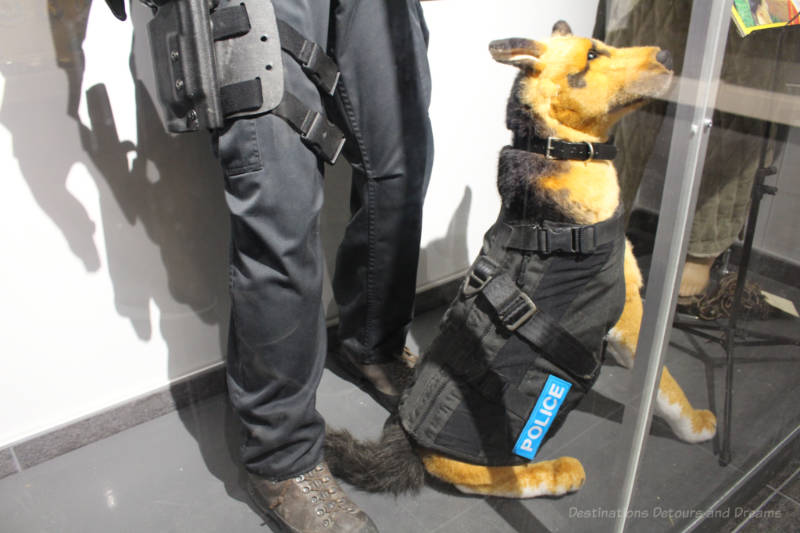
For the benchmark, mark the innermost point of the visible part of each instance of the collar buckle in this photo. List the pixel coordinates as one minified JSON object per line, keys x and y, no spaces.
{"x":548,"y":150}
{"x":590,"y":146}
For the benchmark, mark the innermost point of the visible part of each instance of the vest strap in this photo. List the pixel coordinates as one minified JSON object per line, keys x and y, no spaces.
{"x":519,"y":315}
{"x":566,"y":239}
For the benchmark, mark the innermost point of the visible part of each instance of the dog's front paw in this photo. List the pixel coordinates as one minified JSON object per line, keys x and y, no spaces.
{"x":619,"y":349}
{"x":703,"y":428}
{"x":688,"y":424}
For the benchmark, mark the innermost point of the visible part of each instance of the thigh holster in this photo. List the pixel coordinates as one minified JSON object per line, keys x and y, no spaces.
{"x":216,"y":60}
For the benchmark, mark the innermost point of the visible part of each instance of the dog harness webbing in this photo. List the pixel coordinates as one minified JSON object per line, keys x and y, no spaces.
{"x":519,"y":314}
{"x":554,"y":238}
{"x":537,"y":302}
{"x":553,"y":148}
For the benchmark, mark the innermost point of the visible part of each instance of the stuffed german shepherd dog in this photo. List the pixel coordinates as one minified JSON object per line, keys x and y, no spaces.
{"x":555,"y":282}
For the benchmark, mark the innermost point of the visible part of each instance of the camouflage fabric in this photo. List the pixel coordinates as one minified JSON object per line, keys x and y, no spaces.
{"x":735,"y":140}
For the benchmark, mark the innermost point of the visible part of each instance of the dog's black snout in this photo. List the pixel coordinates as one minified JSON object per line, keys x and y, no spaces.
{"x":665,"y":58}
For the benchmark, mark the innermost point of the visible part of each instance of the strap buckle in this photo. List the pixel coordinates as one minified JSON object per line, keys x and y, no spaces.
{"x":548,"y":150}
{"x":517,"y":311}
{"x":319,"y":66}
{"x":325,"y":139}
{"x":584,"y":239}
{"x":590,"y":146}
{"x":542,"y":240}
{"x":479,"y":276}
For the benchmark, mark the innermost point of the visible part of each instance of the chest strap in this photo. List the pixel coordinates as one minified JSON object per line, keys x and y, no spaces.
{"x":519,"y":315}
{"x":568,"y":239}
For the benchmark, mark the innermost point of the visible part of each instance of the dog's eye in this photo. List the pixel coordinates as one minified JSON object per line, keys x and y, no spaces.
{"x":591,"y":55}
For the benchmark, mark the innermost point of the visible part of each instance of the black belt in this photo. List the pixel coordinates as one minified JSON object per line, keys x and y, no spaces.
{"x":565,"y":238}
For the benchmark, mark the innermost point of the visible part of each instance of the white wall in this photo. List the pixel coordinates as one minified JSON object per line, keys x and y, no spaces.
{"x":115,"y":234}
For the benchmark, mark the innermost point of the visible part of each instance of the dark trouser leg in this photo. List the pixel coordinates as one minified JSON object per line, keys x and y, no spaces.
{"x":384,"y":94}
{"x":277,"y":339}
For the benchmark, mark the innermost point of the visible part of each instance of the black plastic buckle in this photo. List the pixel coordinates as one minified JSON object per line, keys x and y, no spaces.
{"x":517,"y":311}
{"x":321,"y":68}
{"x":479,"y":276}
{"x":543,"y":240}
{"x":324,"y":139}
{"x":584,"y":240}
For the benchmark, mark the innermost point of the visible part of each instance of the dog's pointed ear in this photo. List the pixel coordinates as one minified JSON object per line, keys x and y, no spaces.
{"x":521,"y":53}
{"x":561,"y":28}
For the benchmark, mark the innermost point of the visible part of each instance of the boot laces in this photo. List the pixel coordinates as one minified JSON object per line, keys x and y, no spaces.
{"x":324,"y":493}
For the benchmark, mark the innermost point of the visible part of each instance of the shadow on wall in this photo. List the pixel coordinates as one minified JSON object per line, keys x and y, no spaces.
{"x":165,"y":190}
{"x":451,"y":249}
{"x":35,"y":128}
{"x":160,"y":201}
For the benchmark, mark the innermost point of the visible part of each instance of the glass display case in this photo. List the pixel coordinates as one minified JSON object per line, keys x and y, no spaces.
{"x":709,"y":195}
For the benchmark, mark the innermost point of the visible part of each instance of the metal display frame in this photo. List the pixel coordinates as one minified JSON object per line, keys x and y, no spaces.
{"x":696,"y":94}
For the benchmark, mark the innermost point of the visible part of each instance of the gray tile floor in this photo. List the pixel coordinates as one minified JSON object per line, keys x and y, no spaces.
{"x":177,"y":473}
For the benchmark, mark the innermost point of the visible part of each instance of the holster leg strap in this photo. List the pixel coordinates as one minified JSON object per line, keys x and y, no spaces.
{"x":324,"y":139}
{"x":320,"y":68}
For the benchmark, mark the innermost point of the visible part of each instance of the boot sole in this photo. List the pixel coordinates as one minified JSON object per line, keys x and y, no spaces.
{"x":272,"y":519}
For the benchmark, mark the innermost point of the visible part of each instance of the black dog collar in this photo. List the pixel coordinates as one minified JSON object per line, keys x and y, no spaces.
{"x":553,"y":148}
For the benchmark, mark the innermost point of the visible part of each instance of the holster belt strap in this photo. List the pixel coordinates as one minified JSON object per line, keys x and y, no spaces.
{"x":322,"y":137}
{"x":230,"y":22}
{"x":241,"y":97}
{"x":569,"y":239}
{"x":318,"y":66}
{"x":519,"y":314}
{"x":233,"y":21}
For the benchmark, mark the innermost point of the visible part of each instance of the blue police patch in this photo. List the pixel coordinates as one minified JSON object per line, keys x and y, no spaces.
{"x":547,"y":406}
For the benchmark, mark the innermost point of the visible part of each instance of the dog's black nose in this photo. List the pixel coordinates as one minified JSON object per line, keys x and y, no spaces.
{"x":665,"y":58}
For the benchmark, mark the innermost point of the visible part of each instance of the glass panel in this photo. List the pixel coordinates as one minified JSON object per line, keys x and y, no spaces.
{"x":731,"y":352}
{"x":687,"y":165}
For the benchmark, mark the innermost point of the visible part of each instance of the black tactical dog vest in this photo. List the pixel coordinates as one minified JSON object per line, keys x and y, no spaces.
{"x":538,"y":301}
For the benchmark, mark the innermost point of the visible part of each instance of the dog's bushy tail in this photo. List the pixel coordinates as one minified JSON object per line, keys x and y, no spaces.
{"x":389,"y":464}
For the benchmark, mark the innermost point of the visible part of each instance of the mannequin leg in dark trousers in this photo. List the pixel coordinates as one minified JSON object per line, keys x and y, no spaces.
{"x":383,"y":97}
{"x":277,"y":341}
{"x":274,"y":191}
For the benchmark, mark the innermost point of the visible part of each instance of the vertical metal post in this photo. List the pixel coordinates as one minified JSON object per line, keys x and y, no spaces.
{"x":697,"y":91}
{"x":730,"y":330}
